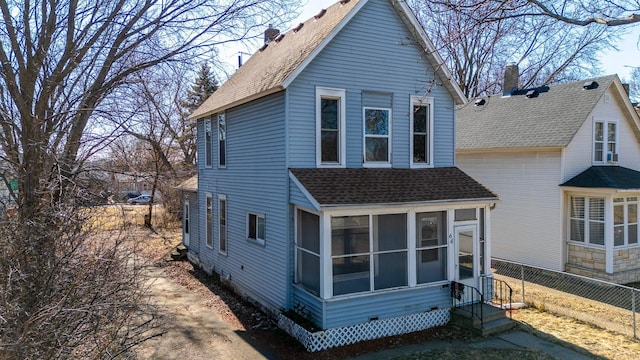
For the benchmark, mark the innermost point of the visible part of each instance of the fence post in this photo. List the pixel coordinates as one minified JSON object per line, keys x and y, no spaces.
{"x":633,"y":309}
{"x":522,"y":279}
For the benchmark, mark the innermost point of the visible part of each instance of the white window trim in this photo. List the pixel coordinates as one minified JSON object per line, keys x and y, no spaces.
{"x":625,"y":205}
{"x":421,"y":101}
{"x":208,"y":160}
{"x":223,"y":117}
{"x":605,"y":141}
{"x":221,"y":198}
{"x":257,"y":240}
{"x":587,"y":232}
{"x":330,"y":93}
{"x":376,"y":164}
{"x":208,"y":196}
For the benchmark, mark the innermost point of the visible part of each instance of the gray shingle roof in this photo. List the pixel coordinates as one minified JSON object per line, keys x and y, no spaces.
{"x":549,"y":120}
{"x":268,"y":71}
{"x":342,"y":187}
{"x":613,"y":177}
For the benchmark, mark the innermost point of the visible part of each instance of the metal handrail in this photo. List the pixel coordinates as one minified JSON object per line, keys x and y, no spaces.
{"x":467,"y":298}
{"x":500,"y":293}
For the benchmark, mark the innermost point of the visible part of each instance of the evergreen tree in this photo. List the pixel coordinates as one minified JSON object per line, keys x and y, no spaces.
{"x":205,"y":84}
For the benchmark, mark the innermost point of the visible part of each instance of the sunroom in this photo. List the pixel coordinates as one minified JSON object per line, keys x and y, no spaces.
{"x":374,"y":244}
{"x":602,"y":224}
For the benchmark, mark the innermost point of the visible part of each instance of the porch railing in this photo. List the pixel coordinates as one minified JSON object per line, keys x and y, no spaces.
{"x":497,"y":293}
{"x":469,"y":299}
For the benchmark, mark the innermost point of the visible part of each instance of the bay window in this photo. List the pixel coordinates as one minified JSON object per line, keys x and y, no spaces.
{"x":586,"y":219}
{"x":625,"y":221}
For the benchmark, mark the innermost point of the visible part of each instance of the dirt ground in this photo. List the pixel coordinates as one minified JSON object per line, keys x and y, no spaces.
{"x":207,"y":320}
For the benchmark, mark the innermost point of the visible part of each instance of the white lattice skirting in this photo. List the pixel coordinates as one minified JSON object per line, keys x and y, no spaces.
{"x":326,"y":339}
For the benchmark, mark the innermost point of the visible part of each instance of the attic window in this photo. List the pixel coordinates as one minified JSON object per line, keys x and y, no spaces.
{"x":297,"y":28}
{"x":589,"y":85}
{"x":320,"y":14}
{"x":279,"y":38}
{"x":531,"y":93}
{"x":480,"y":102}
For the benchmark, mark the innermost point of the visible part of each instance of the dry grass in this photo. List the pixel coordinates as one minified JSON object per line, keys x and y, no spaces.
{"x":119,"y":216}
{"x":595,"y":340}
{"x":582,"y":309}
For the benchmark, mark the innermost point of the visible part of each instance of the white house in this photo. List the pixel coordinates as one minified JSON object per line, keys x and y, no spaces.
{"x":564,"y":160}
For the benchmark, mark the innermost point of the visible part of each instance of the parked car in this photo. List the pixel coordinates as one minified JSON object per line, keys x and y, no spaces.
{"x":142,"y":200}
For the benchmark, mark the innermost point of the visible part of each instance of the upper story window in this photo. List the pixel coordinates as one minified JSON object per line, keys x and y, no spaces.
{"x":330,"y":115}
{"x":209,"y":220}
{"x":377,"y":136}
{"x":605,"y":141}
{"x":421,"y":131}
{"x":222,"y":141}
{"x":207,"y":142}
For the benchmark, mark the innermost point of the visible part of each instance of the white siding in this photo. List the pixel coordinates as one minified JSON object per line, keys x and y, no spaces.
{"x":526,"y":226}
{"x":579,"y":153}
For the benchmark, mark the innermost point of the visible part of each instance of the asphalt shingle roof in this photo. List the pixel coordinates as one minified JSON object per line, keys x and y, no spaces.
{"x":390,"y":186}
{"x":613,"y":177}
{"x":549,"y":120}
{"x":268,"y":70}
{"x":191,"y":184}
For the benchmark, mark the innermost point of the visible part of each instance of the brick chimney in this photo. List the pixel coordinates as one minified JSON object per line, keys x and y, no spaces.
{"x":627,"y":89}
{"x":270,"y":34}
{"x":511,"y":78}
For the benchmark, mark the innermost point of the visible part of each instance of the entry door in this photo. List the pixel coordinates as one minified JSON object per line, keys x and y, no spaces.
{"x":467,"y":268}
{"x":186,"y":214}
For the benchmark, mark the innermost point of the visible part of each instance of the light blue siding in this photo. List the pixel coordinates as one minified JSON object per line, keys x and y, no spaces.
{"x":360,"y":309}
{"x":297,"y":197}
{"x":255,"y":180}
{"x":381,"y":62}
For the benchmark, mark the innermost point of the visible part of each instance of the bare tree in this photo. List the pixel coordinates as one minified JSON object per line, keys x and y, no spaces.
{"x":63,"y":292}
{"x":575,"y":12}
{"x":61,"y":58}
{"x":477,"y":51}
{"x":634,"y":84}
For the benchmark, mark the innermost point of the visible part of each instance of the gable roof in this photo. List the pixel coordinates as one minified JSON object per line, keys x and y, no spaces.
{"x":273,"y":68}
{"x":549,"y":120}
{"x":613,"y":177}
{"x":364,"y":186}
{"x":191,"y":184}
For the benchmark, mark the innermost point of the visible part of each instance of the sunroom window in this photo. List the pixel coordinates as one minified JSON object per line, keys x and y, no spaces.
{"x":308,"y":251}
{"x":431,"y":247}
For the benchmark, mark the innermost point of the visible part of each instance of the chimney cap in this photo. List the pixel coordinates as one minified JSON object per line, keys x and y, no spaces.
{"x":590,"y":85}
{"x":480,"y":102}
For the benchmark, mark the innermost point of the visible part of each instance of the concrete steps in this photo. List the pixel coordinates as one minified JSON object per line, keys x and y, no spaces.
{"x":494,"y":319}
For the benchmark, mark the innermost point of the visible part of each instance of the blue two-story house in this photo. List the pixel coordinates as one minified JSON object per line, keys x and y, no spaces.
{"x":327,"y":178}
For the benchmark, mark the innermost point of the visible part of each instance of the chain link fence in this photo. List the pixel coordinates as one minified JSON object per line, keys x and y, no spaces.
{"x":607,"y":305}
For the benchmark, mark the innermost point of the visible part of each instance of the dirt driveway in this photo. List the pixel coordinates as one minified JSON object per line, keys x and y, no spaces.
{"x":194,"y":331}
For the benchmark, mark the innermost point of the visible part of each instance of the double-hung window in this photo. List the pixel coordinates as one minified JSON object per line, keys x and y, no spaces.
{"x":208,"y":143}
{"x":209,"y":225}
{"x":586,"y":217}
{"x":421,"y":131}
{"x":377,"y":135}
{"x":222,"y":141}
{"x":605,"y":140}
{"x":222,"y":223}
{"x":256,"y":228}
{"x":625,"y":221}
{"x":330,"y":122}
